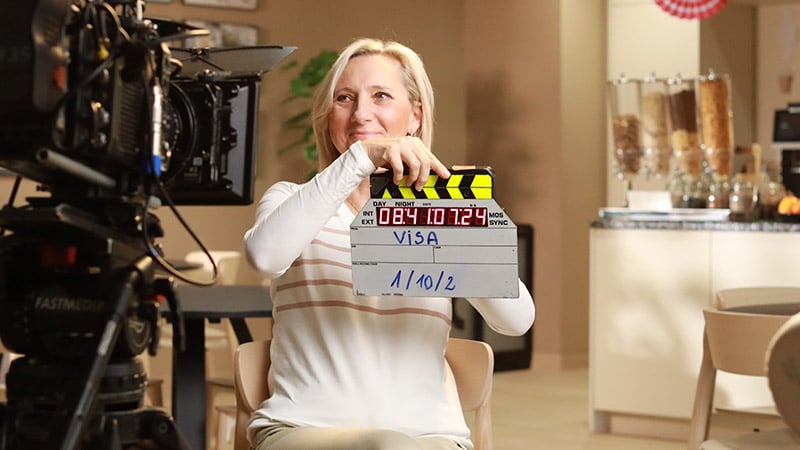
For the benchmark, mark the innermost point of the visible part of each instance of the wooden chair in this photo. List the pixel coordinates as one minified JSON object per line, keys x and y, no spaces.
{"x":218,"y":337}
{"x":783,"y":372}
{"x":733,"y":342}
{"x":756,"y":295}
{"x":472,"y":363}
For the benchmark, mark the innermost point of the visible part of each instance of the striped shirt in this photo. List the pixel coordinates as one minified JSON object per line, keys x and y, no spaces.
{"x":341,"y":360}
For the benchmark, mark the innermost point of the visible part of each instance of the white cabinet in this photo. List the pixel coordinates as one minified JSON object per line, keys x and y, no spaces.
{"x":648,"y":289}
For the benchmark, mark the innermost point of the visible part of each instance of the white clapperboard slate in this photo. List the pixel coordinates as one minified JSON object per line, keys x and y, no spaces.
{"x":451,"y":239}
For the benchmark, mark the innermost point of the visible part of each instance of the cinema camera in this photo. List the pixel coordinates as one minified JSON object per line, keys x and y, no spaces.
{"x":109,"y":121}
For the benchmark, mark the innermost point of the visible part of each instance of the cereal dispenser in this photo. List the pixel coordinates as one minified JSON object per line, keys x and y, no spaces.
{"x":656,"y":147}
{"x":684,"y":135}
{"x":624,"y":103}
{"x":716,"y":117}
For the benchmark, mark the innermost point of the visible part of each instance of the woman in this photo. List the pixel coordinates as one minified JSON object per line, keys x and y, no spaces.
{"x":352,"y":372}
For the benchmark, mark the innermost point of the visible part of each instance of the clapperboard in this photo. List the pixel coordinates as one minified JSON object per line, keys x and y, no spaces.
{"x":450,"y":239}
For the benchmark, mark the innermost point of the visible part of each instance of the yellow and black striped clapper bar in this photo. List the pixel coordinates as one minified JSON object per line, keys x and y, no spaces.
{"x":449,"y":239}
{"x":465,"y":183}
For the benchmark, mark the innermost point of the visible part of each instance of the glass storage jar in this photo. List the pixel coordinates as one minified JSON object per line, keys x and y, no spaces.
{"x":743,"y":199}
{"x":716,"y":118}
{"x":656,"y":148}
{"x":684,"y":135}
{"x":624,"y":103}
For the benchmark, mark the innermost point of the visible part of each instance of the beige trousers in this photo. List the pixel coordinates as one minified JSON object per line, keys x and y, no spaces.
{"x":313,"y":438}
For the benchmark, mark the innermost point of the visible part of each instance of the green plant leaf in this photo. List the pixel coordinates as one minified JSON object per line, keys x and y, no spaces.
{"x":301,"y":88}
{"x":311,"y":152}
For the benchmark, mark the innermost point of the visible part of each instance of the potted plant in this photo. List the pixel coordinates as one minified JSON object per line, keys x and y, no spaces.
{"x":302,"y":89}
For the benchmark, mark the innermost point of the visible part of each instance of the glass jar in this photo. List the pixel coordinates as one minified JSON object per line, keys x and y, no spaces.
{"x":716,"y":118}
{"x":678,"y":191}
{"x":689,"y":191}
{"x":719,"y":194}
{"x":656,"y":148}
{"x":684,"y":135}
{"x":698,"y":192}
{"x":742,"y":200}
{"x":623,"y":100}
{"x":770,"y":193}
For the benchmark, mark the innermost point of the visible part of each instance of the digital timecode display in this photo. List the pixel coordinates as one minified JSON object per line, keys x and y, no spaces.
{"x":429,"y":216}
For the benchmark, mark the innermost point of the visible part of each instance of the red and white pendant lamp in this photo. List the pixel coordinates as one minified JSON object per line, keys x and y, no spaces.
{"x":691,"y":9}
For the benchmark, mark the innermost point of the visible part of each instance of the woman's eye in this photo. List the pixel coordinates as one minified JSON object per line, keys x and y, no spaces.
{"x":341,"y":98}
{"x":382,"y":96}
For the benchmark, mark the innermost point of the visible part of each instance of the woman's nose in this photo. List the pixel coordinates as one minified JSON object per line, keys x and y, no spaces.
{"x":362,"y":110}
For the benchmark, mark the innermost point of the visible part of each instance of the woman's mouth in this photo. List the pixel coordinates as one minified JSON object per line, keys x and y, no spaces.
{"x":361,"y":135}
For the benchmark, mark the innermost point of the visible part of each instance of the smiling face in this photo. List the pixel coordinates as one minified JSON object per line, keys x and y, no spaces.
{"x":371,"y":100}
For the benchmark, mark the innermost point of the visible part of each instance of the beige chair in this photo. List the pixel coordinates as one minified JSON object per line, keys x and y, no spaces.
{"x":734,"y":342}
{"x":227,"y":262}
{"x":757,"y":295}
{"x":472,"y":363}
{"x":783,"y":372}
{"x":219,"y":337}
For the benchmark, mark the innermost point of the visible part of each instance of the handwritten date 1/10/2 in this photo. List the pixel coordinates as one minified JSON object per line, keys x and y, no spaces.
{"x":429,"y":282}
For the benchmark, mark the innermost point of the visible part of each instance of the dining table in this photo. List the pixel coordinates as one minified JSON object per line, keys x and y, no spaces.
{"x":198,"y":305}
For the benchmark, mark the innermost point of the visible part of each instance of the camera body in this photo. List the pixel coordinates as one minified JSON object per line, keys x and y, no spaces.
{"x":96,"y":103}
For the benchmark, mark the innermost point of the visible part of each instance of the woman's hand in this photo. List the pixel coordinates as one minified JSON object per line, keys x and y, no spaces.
{"x":408,"y":151}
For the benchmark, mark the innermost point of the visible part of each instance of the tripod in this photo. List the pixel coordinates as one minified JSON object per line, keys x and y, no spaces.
{"x":79,"y":299}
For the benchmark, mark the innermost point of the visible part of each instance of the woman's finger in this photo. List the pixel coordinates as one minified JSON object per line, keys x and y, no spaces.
{"x":424,"y":157}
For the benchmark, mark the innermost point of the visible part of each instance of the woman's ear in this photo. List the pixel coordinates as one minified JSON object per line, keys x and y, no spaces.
{"x":415,"y":120}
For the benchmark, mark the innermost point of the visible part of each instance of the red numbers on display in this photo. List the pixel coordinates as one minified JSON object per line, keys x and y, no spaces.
{"x":432,"y":216}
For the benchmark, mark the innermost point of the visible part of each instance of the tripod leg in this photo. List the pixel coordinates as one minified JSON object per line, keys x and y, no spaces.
{"x":127,"y":290}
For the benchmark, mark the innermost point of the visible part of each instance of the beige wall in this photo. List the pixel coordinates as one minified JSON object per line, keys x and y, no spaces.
{"x":583,"y":65}
{"x":771,"y":63}
{"x":519,"y":86}
{"x":535,"y":106}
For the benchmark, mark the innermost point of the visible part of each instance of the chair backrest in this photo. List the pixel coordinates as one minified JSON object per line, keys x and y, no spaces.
{"x":783,"y":371}
{"x":758,"y":295}
{"x":472,"y":363}
{"x":738,"y":341}
{"x":250,"y":367}
{"x":734,"y":342}
{"x":227,"y":262}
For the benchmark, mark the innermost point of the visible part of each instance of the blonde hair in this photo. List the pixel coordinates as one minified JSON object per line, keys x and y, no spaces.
{"x":416,"y":82}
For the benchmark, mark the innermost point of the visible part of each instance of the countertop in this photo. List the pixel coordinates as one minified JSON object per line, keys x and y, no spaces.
{"x":692,"y":225}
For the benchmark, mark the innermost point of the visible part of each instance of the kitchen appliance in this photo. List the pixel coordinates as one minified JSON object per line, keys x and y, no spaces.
{"x":786,"y":139}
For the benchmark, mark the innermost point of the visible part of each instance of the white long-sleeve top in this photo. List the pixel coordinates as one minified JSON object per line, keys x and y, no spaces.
{"x":341,"y":360}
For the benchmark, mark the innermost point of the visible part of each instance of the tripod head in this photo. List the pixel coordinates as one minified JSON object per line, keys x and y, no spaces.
{"x":79,"y":297}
